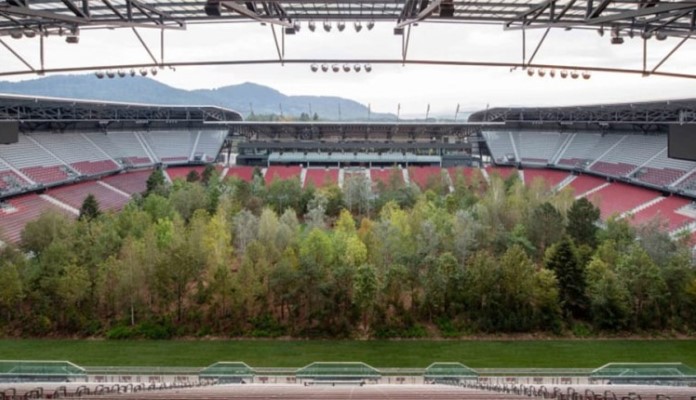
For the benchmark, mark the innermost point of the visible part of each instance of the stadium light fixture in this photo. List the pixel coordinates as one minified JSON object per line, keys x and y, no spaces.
{"x":541,"y":72}
{"x":552,"y":73}
{"x":659,"y":35}
{"x":121,"y":73}
{"x":357,"y":67}
{"x":312,"y":26}
{"x":143,"y":71}
{"x":564,"y":74}
{"x":530,"y":71}
{"x":99,"y":74}
{"x":368,"y":68}
{"x":574,"y":74}
{"x":30,"y":33}
{"x":370,"y":25}
{"x":335,"y":68}
{"x":296,"y":26}
{"x":600,"y":31}
{"x":616,"y":36}
{"x":110,"y":74}
{"x":324,"y":67}
{"x":646,"y":34}
{"x":153,"y":71}
{"x":346,"y":68}
{"x":132,"y":72}
{"x":314,"y":67}
{"x":586,"y":75}
{"x":74,"y":36}
{"x":327,"y":26}
{"x":341,"y":26}
{"x":617,"y":40}
{"x":358,"y":26}
{"x":16,"y":34}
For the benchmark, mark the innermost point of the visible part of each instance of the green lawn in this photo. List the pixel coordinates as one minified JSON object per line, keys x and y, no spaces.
{"x":416,"y":354}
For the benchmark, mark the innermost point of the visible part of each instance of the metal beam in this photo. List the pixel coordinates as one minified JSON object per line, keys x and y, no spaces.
{"x":231,"y":5}
{"x":642,"y":12}
{"x":74,"y":9}
{"x":421,"y":15}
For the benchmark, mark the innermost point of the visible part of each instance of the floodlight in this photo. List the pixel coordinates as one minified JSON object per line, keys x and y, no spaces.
{"x":132,"y":72}
{"x":659,"y":35}
{"x":110,"y":73}
{"x":646,"y":34}
{"x":327,"y":26}
{"x":341,"y":26}
{"x":617,"y":40}
{"x":357,"y":67}
{"x":346,"y":68}
{"x":368,"y":67}
{"x":312,"y":26}
{"x":358,"y":26}
{"x":370,"y":25}
{"x":153,"y":71}
{"x":552,"y":73}
{"x":30,"y":33}
{"x":143,"y":71}
{"x":99,"y":74}
{"x":296,"y":26}
{"x":586,"y":75}
{"x":564,"y":74}
{"x":541,"y":72}
{"x":335,"y":68}
{"x":530,"y":71}
{"x":600,"y":31}
{"x":121,"y":73}
{"x":73,"y":37}
{"x":16,"y":34}
{"x":574,"y":74}
{"x":314,"y":67}
{"x":324,"y":67}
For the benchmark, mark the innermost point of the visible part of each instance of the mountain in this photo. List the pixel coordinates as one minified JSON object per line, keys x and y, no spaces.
{"x":243,"y":97}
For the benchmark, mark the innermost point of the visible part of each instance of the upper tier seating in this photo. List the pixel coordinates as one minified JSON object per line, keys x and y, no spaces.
{"x":319,"y":177}
{"x":666,"y":210}
{"x":500,"y":145}
{"x":80,"y":153}
{"x":633,"y":151}
{"x":129,"y":182}
{"x":538,"y":147}
{"x":121,"y":146}
{"x":171,"y":147}
{"x":33,"y":161}
{"x":618,"y":198}
{"x":209,"y":144}
{"x":17,"y":212}
{"x":282,"y":172}
{"x":427,"y":176}
{"x":551,"y":177}
{"x":74,"y":195}
{"x":585,"y":147}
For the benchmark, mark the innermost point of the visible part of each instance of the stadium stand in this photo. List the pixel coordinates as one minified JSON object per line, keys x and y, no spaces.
{"x":208,"y":145}
{"x":663,"y":171}
{"x":36,"y":163}
{"x":667,"y":210}
{"x":583,"y":184}
{"x":10,"y":181}
{"x":384,"y":175}
{"x":538,"y":147}
{"x":320,"y":177}
{"x":633,"y":151}
{"x":282,"y":172}
{"x":15,"y":213}
{"x":129,"y":182}
{"x":618,"y":198}
{"x":552,"y":177}
{"x":74,"y":195}
{"x":242,"y":172}
{"x":503,"y":172}
{"x":583,"y":148}
{"x":78,"y":152}
{"x":171,"y":147}
{"x":501,"y":146}
{"x":124,"y":147}
{"x":427,"y":176}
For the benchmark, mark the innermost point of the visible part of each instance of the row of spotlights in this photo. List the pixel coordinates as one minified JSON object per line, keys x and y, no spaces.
{"x":340,"y":26}
{"x":71,"y":36}
{"x":122,"y":73}
{"x":541,"y":72}
{"x":337,"y":68}
{"x":617,"y":37}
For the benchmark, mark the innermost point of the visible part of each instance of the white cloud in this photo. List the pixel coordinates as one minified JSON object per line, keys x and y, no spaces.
{"x":413,"y":86}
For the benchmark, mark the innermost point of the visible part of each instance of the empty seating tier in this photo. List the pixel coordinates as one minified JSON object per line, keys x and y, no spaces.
{"x":321,"y":177}
{"x":584,"y":148}
{"x":633,"y":151}
{"x":130,"y":182}
{"x":48,"y":175}
{"x":585,"y":183}
{"x":34,"y":162}
{"x":500,"y":145}
{"x":95,"y":167}
{"x":171,"y":147}
{"x":282,"y":172}
{"x":182,"y":172}
{"x":385,"y":176}
{"x":502,"y":172}
{"x":241,"y":172}
{"x":76,"y":150}
{"x":124,"y":147}
{"x":538,"y":147}
{"x":618,"y":198}
{"x":17,"y":212}
{"x":74,"y":195}
{"x":426,"y":177}
{"x":663,"y":171}
{"x":550,"y":176}
{"x":666,"y":210}
{"x":208,"y":146}
{"x":470,"y":174}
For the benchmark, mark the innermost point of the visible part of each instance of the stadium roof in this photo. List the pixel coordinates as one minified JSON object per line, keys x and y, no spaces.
{"x":650,"y":16}
{"x":33,"y":109}
{"x":644,"y":113}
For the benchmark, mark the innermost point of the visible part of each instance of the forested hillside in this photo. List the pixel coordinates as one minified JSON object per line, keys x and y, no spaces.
{"x":206,"y":257}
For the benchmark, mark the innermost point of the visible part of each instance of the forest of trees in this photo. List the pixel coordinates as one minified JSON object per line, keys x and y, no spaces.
{"x":205,"y":257}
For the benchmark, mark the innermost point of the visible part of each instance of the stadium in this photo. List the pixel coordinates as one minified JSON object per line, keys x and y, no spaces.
{"x":139,"y":222}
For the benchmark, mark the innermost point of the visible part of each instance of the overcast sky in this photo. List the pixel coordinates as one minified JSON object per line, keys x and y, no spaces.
{"x":413,"y":86}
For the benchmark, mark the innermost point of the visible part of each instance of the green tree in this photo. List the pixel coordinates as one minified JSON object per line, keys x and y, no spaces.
{"x":545,"y":227}
{"x":562,"y":260}
{"x":90,"y":208}
{"x":156,"y":182}
{"x":193,"y":176}
{"x":582,"y":222}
